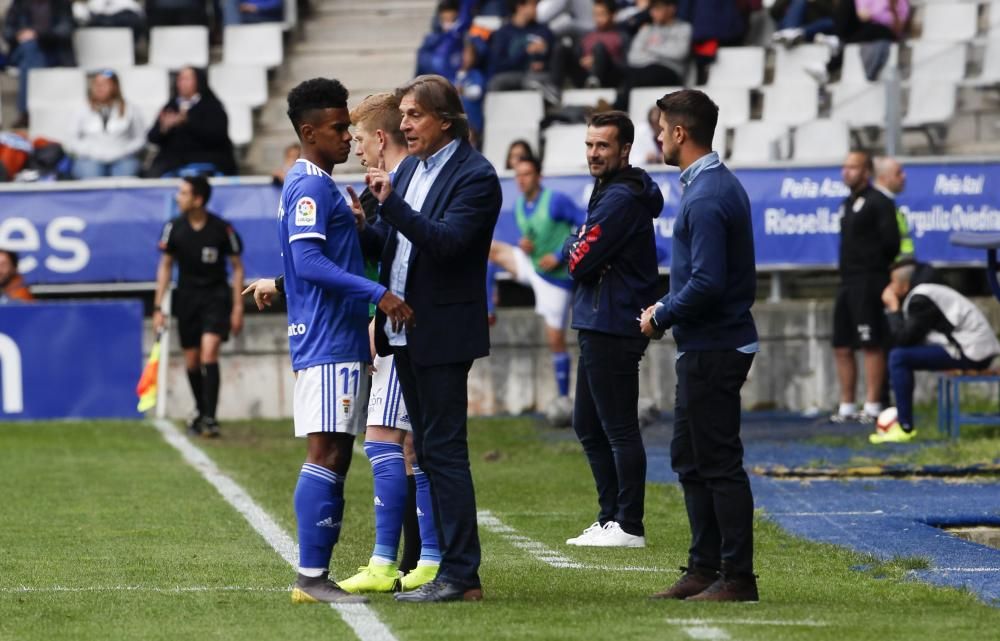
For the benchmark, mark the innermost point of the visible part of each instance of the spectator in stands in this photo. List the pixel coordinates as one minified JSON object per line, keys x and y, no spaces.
{"x":168,"y":13}
{"x":659,"y":53}
{"x":12,"y":287}
{"x":599,"y":59}
{"x":111,"y":13}
{"x":520,"y":53}
{"x":647,"y":150}
{"x":109,"y":132}
{"x":519,"y":150}
{"x":40,"y":34}
{"x":192,"y":130}
{"x":292,"y":153}
{"x":876,"y":23}
{"x":890,"y":179}
{"x":441,"y":52}
{"x":471,"y":84}
{"x":566,"y":17}
{"x":869,"y":242}
{"x":933,"y":327}
{"x":632,"y":17}
{"x":714,"y":24}
{"x":800,"y":21}
{"x":257,"y":11}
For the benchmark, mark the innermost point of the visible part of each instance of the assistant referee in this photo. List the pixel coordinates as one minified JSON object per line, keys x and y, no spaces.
{"x":207,"y":308}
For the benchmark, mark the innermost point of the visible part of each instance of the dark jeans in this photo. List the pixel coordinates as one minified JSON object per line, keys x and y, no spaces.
{"x":903,"y":361}
{"x":707,"y":454}
{"x":795,"y":17}
{"x":437,"y":399}
{"x":606,"y":420}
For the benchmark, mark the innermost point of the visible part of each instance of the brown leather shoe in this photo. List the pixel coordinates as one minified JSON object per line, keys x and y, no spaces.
{"x":692,"y":582}
{"x":732,"y":588}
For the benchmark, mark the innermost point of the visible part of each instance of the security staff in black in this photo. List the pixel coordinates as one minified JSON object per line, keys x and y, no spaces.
{"x":207,"y":308}
{"x":869,"y":242}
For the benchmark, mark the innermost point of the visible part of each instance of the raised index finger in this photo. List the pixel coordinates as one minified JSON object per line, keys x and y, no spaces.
{"x":354,"y":196}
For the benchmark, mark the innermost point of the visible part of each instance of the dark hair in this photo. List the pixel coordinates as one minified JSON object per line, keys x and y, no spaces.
{"x":662,"y":2}
{"x":512,"y":5}
{"x":610,"y":5}
{"x":199,"y":187}
{"x":617,"y":119}
{"x":447,"y":5}
{"x":869,"y":161}
{"x":314,"y":94}
{"x":694,"y":111}
{"x":438,"y":96}
{"x":536,"y":163}
{"x":12,"y":255}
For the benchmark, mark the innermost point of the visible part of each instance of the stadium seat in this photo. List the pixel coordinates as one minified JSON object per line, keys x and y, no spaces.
{"x":56,"y":86}
{"x":791,"y":104}
{"x":148,"y":88}
{"x":587,"y":97}
{"x":930,"y":102}
{"x":759,"y":141}
{"x":860,"y":105}
{"x":790,"y":64}
{"x":240,"y":123}
{"x":510,"y":115}
{"x":738,"y":67}
{"x":823,"y":140}
{"x":104,"y":48}
{"x":993,"y":20}
{"x":642,"y":99}
{"x":937,"y":60}
{"x":177,"y":47}
{"x":496,"y":140}
{"x":54,"y":122}
{"x":734,"y":104}
{"x":950,"y":22}
{"x":239,"y":84}
{"x":853,"y":70}
{"x":565,"y":148}
{"x":720,"y":141}
{"x":990,"y":75}
{"x":253,"y":44}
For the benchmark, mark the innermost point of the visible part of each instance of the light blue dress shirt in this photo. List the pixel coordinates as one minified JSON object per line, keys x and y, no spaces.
{"x":423,"y":178}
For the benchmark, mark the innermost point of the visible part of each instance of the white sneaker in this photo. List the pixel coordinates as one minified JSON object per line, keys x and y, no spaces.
{"x":593,"y":530}
{"x":613,"y":536}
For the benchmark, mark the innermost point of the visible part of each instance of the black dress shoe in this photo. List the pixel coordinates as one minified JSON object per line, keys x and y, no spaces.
{"x":439,"y":591}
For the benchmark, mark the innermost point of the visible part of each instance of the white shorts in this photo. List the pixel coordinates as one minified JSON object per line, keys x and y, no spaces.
{"x":386,"y":407}
{"x":551,"y":301}
{"x":330,"y":398}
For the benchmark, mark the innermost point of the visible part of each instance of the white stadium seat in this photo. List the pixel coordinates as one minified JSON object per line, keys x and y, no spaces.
{"x":54,"y":122}
{"x":242,"y":84}
{"x":587,"y":97}
{"x":733,"y":102}
{"x":177,"y":47}
{"x":738,"y":67}
{"x":642,"y":99}
{"x":822,"y":141}
{"x":56,"y":86}
{"x":509,"y":116}
{"x":253,"y":44}
{"x":104,"y":48}
{"x":496,"y":140}
{"x":791,"y":104}
{"x":990,"y":73}
{"x":861,"y":105}
{"x":148,"y":88}
{"x":930,"y":102}
{"x":950,"y":22}
{"x":853,"y":70}
{"x":759,"y":142}
{"x":937,"y":60}
{"x":240,"y":123}
{"x":565,"y":148}
{"x":790,"y":64}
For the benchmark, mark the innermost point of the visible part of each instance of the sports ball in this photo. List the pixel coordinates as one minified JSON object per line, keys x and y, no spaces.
{"x":886,"y":419}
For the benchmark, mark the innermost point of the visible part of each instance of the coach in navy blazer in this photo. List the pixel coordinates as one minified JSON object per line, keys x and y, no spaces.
{"x":435,"y":226}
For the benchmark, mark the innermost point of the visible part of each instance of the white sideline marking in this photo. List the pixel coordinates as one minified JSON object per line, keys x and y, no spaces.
{"x":872,"y":513}
{"x":958,"y":570}
{"x":359,"y":617}
{"x":707,"y":622}
{"x":543,"y":553}
{"x":707,"y":632}
{"x":24,"y":589}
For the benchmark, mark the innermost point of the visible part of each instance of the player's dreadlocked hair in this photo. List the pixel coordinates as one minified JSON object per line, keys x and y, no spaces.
{"x":317,"y":93}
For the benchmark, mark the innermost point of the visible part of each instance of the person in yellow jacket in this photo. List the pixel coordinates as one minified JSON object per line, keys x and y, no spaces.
{"x":890,"y":179}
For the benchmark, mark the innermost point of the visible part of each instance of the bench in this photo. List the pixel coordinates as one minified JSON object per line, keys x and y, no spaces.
{"x":950,"y":416}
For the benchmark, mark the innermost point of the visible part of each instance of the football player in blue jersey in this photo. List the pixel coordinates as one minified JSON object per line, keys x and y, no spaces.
{"x":327,"y":297}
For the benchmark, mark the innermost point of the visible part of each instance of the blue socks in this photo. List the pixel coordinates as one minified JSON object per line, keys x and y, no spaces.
{"x":429,"y":551}
{"x":560,"y":362}
{"x":319,"y":510}
{"x":389,"y":472}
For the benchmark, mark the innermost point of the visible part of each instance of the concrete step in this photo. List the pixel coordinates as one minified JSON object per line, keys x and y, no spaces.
{"x":367,"y":30}
{"x":358,"y":72}
{"x":389,"y":8}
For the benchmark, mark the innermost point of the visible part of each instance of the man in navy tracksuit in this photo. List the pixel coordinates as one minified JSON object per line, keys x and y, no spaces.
{"x":712,"y":287}
{"x":613,"y":266}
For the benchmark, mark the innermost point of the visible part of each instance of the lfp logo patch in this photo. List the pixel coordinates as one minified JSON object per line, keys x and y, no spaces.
{"x":305,"y":212}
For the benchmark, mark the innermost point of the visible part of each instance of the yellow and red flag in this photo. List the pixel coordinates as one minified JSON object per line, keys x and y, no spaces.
{"x":146,"y":388}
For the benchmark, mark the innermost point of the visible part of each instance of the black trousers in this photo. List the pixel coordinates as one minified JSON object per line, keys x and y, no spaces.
{"x":437,"y":399}
{"x":707,"y":454}
{"x":606,"y":420}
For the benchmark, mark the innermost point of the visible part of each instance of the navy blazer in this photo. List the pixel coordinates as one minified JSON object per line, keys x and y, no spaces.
{"x":446,"y":282}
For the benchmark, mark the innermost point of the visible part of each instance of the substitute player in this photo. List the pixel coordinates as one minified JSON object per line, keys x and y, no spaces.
{"x":546,"y":218}
{"x":206,"y":307}
{"x":328,"y":296}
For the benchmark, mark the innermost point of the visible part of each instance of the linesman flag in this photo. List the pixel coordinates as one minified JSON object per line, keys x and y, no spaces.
{"x":146,"y":388}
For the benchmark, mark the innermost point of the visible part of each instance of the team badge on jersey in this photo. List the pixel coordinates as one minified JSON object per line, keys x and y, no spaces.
{"x":209,"y":255}
{"x":346,"y":406}
{"x":305,"y":212}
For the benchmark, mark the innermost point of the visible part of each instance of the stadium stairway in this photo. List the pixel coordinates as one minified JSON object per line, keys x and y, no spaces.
{"x":369,"y":46}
